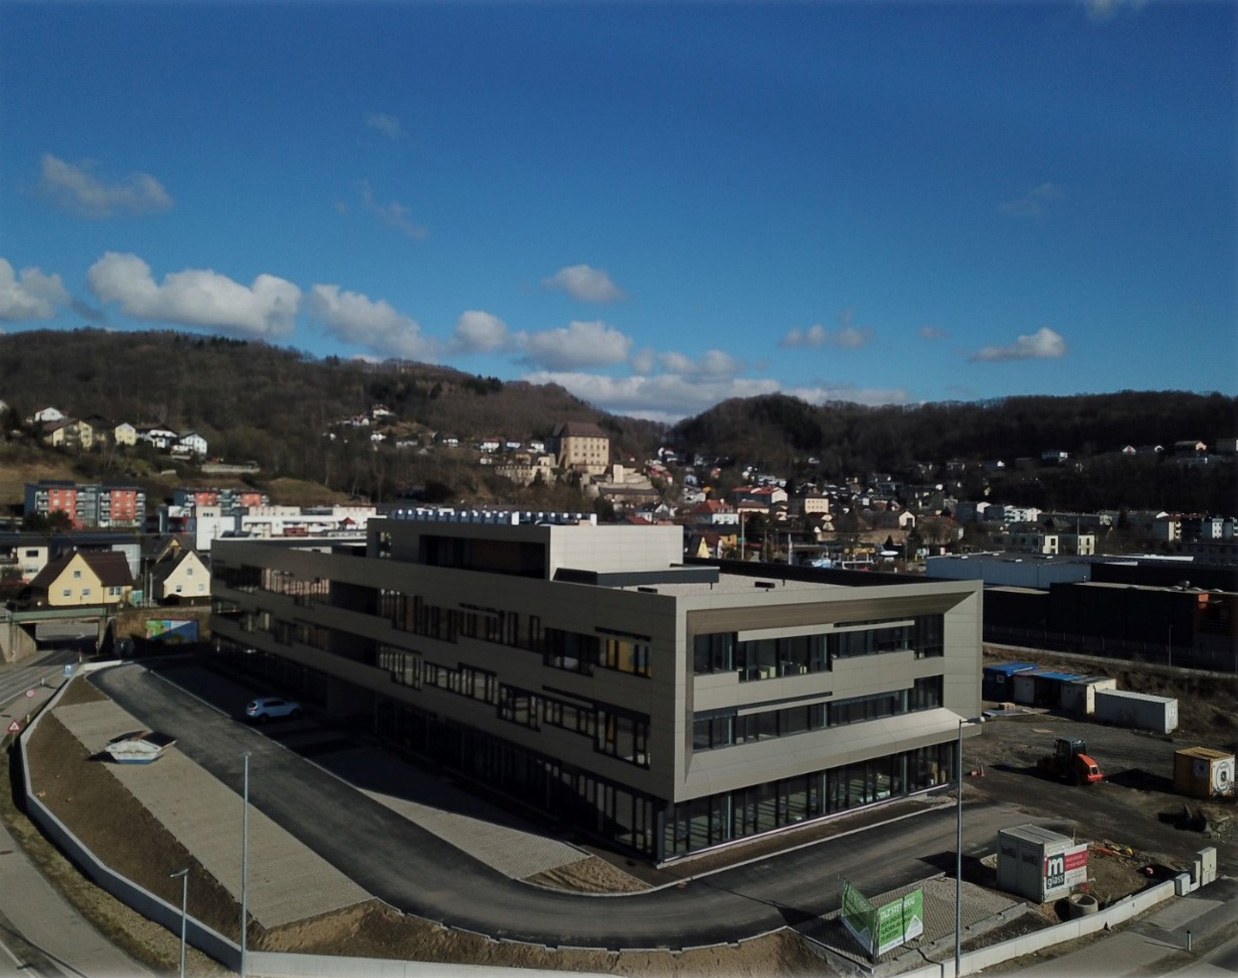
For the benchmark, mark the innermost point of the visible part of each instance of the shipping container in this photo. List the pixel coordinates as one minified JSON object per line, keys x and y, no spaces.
{"x":1138,"y":711}
{"x":1201,"y":772}
{"x":1038,"y":864}
{"x":1079,"y":696}
{"x":1042,"y":687}
{"x":998,"y":681}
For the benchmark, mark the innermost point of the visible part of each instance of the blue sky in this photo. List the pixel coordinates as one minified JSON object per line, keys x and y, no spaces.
{"x":657,"y":205}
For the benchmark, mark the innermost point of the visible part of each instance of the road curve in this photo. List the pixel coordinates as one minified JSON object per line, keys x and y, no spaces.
{"x":418,"y":873}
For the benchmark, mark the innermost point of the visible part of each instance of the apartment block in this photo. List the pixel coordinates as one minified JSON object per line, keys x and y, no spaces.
{"x":88,"y":505}
{"x":586,"y":671}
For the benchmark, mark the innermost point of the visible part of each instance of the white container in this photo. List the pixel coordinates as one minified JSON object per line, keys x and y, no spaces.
{"x":1138,"y":711}
{"x":1079,"y":697}
{"x":1039,"y":864}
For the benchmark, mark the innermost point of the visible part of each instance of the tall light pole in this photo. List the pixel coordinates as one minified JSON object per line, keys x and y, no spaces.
{"x":184,"y":877}
{"x":244,"y":859}
{"x":958,"y":850}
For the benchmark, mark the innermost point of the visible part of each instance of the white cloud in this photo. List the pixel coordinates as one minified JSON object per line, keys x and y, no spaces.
{"x":393,"y":214}
{"x":584,"y":282}
{"x":713,"y":363}
{"x":389,"y":125}
{"x":79,"y":191}
{"x":847,"y":337}
{"x":1103,"y":10}
{"x":643,"y":360}
{"x":479,"y":332}
{"x":196,"y":297}
{"x":579,"y":344}
{"x":873,"y":396}
{"x":931,"y":333}
{"x":1044,"y":344}
{"x":666,"y":397}
{"x":1032,"y":203}
{"x":32,"y":295}
{"x":356,"y":318}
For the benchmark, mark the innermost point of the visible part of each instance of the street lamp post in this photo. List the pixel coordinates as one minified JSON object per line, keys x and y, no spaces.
{"x":244,"y":860}
{"x":184,"y":878}
{"x":958,"y":850}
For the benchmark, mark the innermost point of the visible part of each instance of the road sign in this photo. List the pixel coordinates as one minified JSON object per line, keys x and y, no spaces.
{"x":14,"y":727}
{"x":68,"y":670}
{"x":30,"y":693}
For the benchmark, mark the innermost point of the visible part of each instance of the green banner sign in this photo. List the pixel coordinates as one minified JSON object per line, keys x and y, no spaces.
{"x":859,"y":916}
{"x":899,"y":921}
{"x":879,"y":929}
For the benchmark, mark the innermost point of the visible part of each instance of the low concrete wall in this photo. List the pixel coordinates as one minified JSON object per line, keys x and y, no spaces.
{"x":266,"y":964}
{"x":987,"y":957}
{"x":154,"y":908}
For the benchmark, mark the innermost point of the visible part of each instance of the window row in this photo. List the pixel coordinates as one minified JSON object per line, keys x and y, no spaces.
{"x":614,"y":732}
{"x":771,"y":658}
{"x":560,"y":648}
{"x":713,"y":732}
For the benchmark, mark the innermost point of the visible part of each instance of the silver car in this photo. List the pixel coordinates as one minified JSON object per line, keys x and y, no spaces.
{"x":271,"y":708}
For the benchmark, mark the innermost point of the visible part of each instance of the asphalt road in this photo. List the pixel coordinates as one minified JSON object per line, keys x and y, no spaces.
{"x":417,"y":872}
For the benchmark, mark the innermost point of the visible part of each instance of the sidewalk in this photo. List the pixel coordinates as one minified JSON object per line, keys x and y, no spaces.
{"x":1156,"y":945}
{"x":37,"y":925}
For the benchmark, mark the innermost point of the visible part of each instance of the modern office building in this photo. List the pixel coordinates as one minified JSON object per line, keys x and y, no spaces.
{"x":584,"y":670}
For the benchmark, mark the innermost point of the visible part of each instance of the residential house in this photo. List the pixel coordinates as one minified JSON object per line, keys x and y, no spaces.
{"x":1189,"y":447}
{"x":181,"y":579}
{"x":758,"y":499}
{"x":47,"y":414}
{"x":814,"y":503}
{"x":125,"y":434}
{"x":83,"y":578}
{"x":714,"y":512}
{"x":159,"y":436}
{"x":190,"y":443}
{"x":23,"y":555}
{"x":488,"y":443}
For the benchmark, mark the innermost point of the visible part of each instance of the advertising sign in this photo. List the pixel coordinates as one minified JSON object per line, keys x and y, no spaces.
{"x":172,"y":629}
{"x":1066,"y":869}
{"x":900,"y":920}
{"x":879,"y":929}
{"x":859,"y":916}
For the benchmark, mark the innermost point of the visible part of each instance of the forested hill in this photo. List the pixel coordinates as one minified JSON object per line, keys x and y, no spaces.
{"x":276,"y":406}
{"x":254,"y":401}
{"x":774,"y":430}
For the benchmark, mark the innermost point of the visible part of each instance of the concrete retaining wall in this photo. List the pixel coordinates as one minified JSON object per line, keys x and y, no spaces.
{"x":143,"y":901}
{"x":266,"y":964}
{"x":986,"y":957}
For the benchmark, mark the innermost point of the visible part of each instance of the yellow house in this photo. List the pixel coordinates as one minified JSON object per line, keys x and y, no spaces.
{"x":185,"y":578}
{"x":125,"y":434}
{"x":80,"y":579}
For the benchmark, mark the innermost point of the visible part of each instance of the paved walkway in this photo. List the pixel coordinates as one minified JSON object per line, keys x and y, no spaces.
{"x":287,"y":880}
{"x":40,"y":932}
{"x":1156,"y":945}
{"x":484,"y":831}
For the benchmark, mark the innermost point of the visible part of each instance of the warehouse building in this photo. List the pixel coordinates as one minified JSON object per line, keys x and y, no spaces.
{"x":584,"y":670}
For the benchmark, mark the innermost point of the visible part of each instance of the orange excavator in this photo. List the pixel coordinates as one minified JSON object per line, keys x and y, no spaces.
{"x":1070,"y":762}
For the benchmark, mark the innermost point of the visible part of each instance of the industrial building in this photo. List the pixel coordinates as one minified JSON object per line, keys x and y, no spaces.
{"x":586,"y":671}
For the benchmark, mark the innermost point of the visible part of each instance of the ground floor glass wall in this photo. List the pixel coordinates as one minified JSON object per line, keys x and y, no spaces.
{"x":572,"y":796}
{"x":710,"y":821}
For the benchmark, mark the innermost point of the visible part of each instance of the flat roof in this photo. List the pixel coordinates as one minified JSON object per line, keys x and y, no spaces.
{"x":741,"y":584}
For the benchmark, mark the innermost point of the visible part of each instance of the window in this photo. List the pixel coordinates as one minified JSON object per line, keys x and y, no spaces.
{"x":66,"y":593}
{"x":623,"y":735}
{"x":518,"y":706}
{"x":77,"y":575}
{"x":625,"y":653}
